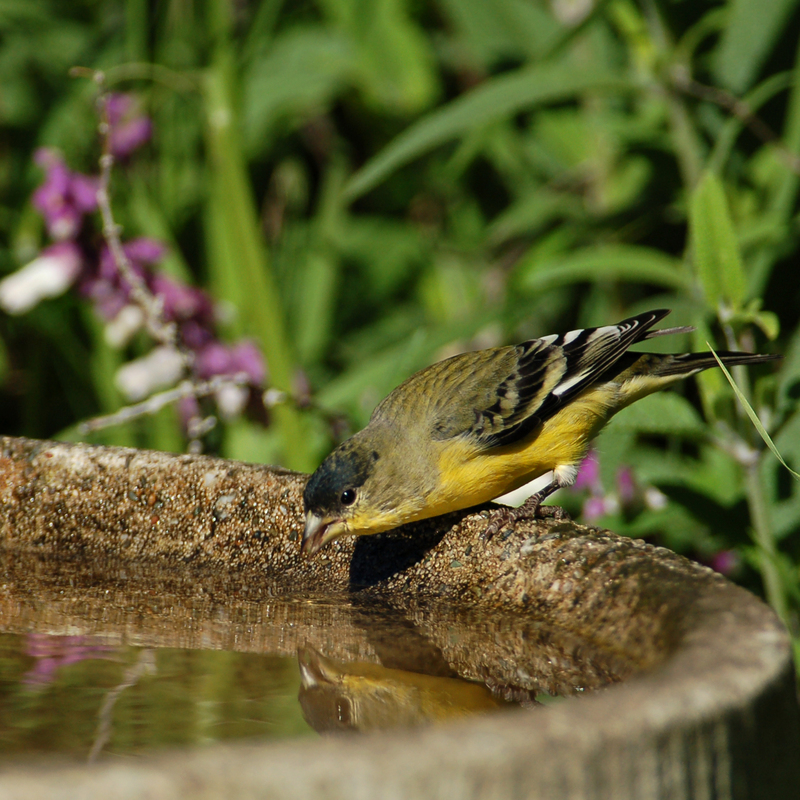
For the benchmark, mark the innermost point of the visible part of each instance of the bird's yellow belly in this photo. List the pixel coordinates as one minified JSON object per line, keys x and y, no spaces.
{"x":469,"y":477}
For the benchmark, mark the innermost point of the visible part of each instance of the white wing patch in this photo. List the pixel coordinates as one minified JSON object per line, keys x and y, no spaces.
{"x":566,"y":385}
{"x":606,"y":330}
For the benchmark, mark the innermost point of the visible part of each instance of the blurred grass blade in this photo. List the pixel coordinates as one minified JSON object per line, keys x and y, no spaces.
{"x":747,"y":39}
{"x":251,"y":282}
{"x":754,"y":100}
{"x":303,"y":71}
{"x":752,"y":414}
{"x":626,"y":263}
{"x":494,"y":99}
{"x":714,"y":246}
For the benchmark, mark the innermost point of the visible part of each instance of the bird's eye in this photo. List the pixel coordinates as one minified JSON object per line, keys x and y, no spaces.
{"x":348,"y":497}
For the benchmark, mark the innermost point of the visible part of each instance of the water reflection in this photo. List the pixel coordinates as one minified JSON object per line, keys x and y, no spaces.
{"x":110,"y":659}
{"x":361,"y":696}
{"x":120,"y":700}
{"x":50,"y":653}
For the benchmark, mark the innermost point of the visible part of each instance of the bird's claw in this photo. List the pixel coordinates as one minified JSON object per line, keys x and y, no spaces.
{"x":550,"y":512}
{"x":528,"y":510}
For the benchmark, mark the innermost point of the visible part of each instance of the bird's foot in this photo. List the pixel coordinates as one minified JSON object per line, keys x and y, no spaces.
{"x":532,"y":508}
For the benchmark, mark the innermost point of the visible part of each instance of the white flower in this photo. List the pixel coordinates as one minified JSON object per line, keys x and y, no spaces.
{"x":119,"y":330}
{"x":159,"y":369}
{"x":48,"y":275}
{"x":571,"y":12}
{"x":231,"y":400}
{"x":655,"y":499}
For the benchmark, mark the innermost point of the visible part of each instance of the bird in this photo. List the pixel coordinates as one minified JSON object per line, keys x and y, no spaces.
{"x":339,"y":695}
{"x":473,"y":427}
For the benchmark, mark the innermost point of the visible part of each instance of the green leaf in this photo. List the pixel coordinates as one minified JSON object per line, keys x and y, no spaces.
{"x":747,"y":39}
{"x":714,"y":247}
{"x":496,"y":98}
{"x":753,"y":416}
{"x":320,"y":273}
{"x":492,"y":30}
{"x":393,"y":58}
{"x":788,"y":377}
{"x":666,"y":414}
{"x":625,"y":263}
{"x":302,"y":74}
{"x":754,"y":100}
{"x":244,"y":272}
{"x":785,"y":507}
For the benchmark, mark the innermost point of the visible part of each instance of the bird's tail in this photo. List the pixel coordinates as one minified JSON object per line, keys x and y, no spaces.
{"x":649,"y":372}
{"x":684,"y":365}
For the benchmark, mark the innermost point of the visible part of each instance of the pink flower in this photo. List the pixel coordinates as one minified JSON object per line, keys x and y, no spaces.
{"x":188,"y":409}
{"x":53,"y":652}
{"x":217,"y":358}
{"x":182,"y":302}
{"x":129,"y":129}
{"x":626,"y":485}
{"x":106,"y":286}
{"x":594,"y":508}
{"x":247,"y":358}
{"x":726,"y":562}
{"x":588,"y":474}
{"x":65,"y":197}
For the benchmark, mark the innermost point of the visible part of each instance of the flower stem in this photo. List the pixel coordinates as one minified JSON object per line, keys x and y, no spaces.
{"x":762,"y":535}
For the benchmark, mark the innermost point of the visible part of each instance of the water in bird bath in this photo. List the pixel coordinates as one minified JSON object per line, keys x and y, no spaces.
{"x":110,"y":660}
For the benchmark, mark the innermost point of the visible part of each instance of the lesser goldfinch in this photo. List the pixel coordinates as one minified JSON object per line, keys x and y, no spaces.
{"x":478,"y":425}
{"x":339,"y":695}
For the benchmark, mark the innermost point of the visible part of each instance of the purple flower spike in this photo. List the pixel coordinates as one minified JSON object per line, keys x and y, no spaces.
{"x":141,"y":253}
{"x":144,"y":250}
{"x":129,"y":129}
{"x":247,"y":358}
{"x":106,"y":286}
{"x":53,"y":652}
{"x":594,"y":508}
{"x":214,"y":359}
{"x":626,"y":485}
{"x":219,"y":359}
{"x":182,"y":302}
{"x":589,"y":474}
{"x":64,"y":197}
{"x":196,"y":335}
{"x":725,"y":562}
{"x":188,"y":409}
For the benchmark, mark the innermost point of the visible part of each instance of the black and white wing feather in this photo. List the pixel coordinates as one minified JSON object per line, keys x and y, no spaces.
{"x":511,"y":391}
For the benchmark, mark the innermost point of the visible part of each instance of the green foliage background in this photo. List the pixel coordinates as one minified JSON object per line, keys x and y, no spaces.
{"x":367,"y":187}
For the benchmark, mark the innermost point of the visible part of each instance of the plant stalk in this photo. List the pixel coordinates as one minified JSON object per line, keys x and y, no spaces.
{"x":764,"y":540}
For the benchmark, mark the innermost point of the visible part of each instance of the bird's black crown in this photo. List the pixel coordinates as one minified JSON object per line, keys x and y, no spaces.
{"x":345,"y":468}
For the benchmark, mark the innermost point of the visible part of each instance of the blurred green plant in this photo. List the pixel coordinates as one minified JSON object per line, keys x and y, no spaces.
{"x":366,"y":188}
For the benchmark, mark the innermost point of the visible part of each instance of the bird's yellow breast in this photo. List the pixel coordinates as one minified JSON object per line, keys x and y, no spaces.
{"x":470,"y":476}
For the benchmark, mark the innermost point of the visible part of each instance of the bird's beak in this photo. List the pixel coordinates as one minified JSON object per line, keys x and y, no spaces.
{"x":319,"y":531}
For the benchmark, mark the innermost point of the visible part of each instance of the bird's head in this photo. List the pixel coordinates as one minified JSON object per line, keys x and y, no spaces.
{"x":337,"y":496}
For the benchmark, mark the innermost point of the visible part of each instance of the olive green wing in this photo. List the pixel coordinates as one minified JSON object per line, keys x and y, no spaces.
{"x":498,"y":397}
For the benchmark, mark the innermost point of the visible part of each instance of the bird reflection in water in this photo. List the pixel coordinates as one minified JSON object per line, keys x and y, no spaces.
{"x":362,"y":696}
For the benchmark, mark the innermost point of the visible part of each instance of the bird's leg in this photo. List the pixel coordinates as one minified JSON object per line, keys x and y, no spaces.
{"x":532,"y":508}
